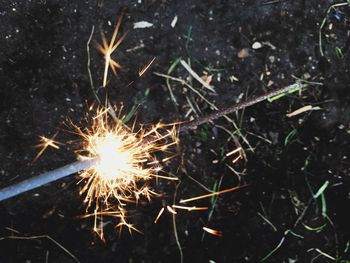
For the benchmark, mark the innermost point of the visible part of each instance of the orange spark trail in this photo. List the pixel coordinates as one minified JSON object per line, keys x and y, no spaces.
{"x":190,"y":208}
{"x":239,"y":149}
{"x":145,"y":68}
{"x":213,"y":231}
{"x":159,"y":215}
{"x":171,"y":210}
{"x":212,"y":194}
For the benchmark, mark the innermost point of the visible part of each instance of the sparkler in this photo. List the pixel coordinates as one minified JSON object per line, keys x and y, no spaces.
{"x":101,"y":138}
{"x":118,"y":162}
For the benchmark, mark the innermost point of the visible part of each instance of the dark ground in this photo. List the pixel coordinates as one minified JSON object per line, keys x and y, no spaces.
{"x":44,"y":79}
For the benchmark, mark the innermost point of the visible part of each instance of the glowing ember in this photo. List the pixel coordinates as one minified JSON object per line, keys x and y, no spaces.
{"x":108,"y":49}
{"x":159,"y":215}
{"x":125,"y":163}
{"x":213,"y":231}
{"x":46,"y":142}
{"x":190,"y":208}
{"x":240,"y":155}
{"x":145,"y":68}
{"x":212,"y":194}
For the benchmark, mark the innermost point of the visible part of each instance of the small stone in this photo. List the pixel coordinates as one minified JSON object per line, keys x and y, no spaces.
{"x":142,"y":24}
{"x":256,"y":45}
{"x":233,"y":78}
{"x":173,"y":23}
{"x":306,"y":75}
{"x":243,"y":53}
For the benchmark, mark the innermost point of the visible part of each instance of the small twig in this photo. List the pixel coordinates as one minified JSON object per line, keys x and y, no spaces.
{"x":89,"y":63}
{"x":212,"y":105}
{"x":40,"y":237}
{"x":174,"y":226}
{"x":273,"y":2}
{"x":191,"y":106}
{"x":275,"y":249}
{"x":183,"y":82}
{"x":170,"y":70}
{"x":304,"y":81}
{"x":321,"y":253}
{"x":196,"y":76}
{"x":302,"y":110}
{"x":303,"y":213}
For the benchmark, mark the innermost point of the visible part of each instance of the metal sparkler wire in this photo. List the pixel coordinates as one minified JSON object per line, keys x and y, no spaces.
{"x":45,"y":178}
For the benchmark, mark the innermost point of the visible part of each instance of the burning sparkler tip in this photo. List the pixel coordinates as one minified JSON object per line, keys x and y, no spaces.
{"x":125,"y":164}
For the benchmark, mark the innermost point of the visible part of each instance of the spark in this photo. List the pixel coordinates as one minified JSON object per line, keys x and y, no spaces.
{"x":145,"y":68}
{"x":212,"y":194}
{"x":234,"y":151}
{"x":213,"y":231}
{"x":46,"y":142}
{"x":239,"y":151}
{"x":159,"y":215}
{"x":126,"y":164}
{"x":108,"y":49}
{"x":123,"y":222}
{"x":190,"y":208}
{"x":171,"y":210}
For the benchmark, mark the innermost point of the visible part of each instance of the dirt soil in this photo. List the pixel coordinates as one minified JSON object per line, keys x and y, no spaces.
{"x":295,"y":208}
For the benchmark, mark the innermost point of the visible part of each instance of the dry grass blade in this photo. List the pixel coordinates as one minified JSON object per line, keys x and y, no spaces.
{"x":302,"y":110}
{"x":196,"y":76}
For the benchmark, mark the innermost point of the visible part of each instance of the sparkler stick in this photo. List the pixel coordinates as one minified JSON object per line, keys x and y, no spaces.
{"x":44,"y":178}
{"x":220,"y":113}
